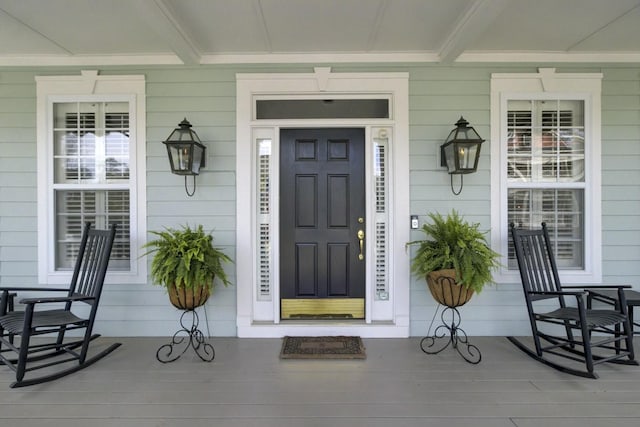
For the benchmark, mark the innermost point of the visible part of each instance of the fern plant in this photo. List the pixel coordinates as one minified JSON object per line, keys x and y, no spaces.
{"x":453,"y":243}
{"x":186,"y":258}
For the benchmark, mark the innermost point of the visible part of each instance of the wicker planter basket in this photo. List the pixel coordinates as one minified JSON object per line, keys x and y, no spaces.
{"x":187,"y":299}
{"x":445,"y":290}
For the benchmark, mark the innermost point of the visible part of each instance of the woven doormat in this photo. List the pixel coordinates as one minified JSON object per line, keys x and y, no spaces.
{"x":338,"y":347}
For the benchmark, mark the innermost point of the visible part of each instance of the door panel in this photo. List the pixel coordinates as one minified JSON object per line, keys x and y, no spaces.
{"x":306,"y":265}
{"x":338,"y":269}
{"x":306,"y":205}
{"x":322,"y":208}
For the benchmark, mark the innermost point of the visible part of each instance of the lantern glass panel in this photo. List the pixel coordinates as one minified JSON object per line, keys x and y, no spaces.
{"x":449,"y":156}
{"x":467,"y":153}
{"x":197,"y":152}
{"x":180,"y":157}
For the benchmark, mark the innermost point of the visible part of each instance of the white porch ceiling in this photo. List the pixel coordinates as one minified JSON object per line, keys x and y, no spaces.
{"x":104,"y":32}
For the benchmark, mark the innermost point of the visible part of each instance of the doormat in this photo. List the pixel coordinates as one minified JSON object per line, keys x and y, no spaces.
{"x":339,"y":347}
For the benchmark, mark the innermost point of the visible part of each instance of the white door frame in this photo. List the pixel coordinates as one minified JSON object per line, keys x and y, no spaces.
{"x":258,"y":316}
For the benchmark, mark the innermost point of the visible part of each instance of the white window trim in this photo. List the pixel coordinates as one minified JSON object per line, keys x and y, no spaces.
{"x":89,"y":85}
{"x":548,"y":84}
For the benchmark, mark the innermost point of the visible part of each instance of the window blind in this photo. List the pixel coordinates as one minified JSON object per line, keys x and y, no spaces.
{"x":545,"y":156}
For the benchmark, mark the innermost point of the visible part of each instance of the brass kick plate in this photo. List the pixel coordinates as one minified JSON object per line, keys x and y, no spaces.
{"x":352,"y":308}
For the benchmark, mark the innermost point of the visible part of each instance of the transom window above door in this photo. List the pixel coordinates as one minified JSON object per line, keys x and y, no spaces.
{"x":328,"y":108}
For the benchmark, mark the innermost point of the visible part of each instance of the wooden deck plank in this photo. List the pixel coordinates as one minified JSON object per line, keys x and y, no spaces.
{"x":275,"y":422}
{"x":248,"y":385}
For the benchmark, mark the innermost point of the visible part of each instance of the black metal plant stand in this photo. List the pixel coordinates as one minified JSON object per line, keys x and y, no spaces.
{"x":457,"y":337}
{"x":187,"y":336}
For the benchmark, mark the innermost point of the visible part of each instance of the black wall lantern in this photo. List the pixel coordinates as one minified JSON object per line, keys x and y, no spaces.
{"x":461,"y":151}
{"x":186,"y":153}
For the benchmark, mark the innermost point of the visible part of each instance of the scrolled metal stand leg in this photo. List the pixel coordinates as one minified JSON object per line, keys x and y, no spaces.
{"x":187,"y":336}
{"x":457,"y":337}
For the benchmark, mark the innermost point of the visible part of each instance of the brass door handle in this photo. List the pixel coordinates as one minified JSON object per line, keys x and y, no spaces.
{"x":361,"y":241}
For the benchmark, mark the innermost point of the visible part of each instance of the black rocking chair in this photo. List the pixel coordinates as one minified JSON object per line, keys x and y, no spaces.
{"x":50,"y":325}
{"x":588,"y":336}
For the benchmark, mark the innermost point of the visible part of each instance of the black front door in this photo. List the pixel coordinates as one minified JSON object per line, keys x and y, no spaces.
{"x":322,"y":222}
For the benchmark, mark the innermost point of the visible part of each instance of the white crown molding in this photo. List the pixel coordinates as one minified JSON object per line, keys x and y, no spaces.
{"x":307,"y":58}
{"x":318,"y":58}
{"x":538,"y":57}
{"x":89,"y":60}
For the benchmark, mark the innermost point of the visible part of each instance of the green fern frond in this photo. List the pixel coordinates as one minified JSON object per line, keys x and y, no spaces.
{"x":186,"y":257}
{"x":453,"y":243}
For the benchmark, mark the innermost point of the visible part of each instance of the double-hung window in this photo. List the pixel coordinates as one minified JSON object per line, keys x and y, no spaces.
{"x":91,"y":153}
{"x":546,"y":167}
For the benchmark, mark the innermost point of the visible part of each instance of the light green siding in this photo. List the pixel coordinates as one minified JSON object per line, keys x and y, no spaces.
{"x":439,"y":95}
{"x":621,"y":175}
{"x":18,"y":220}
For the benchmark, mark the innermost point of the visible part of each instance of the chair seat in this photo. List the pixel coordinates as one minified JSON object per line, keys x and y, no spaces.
{"x":13,"y":322}
{"x":595,"y":318}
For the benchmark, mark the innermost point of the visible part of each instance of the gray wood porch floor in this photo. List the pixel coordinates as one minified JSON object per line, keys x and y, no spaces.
{"x":397,"y":385}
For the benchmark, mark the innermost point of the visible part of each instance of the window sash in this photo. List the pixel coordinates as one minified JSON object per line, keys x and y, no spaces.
{"x":102,"y":208}
{"x":562,"y":210}
{"x":545,"y":156}
{"x":545,"y":141}
{"x":88,"y":87}
{"x":91,"y":158}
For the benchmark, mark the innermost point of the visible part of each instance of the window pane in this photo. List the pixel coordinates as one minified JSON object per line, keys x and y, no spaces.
{"x":519,"y":123}
{"x":117,"y":141}
{"x":562,"y":140}
{"x":322,"y":109}
{"x":264,"y":175}
{"x":101,"y":208}
{"x":74,"y":142}
{"x":118,"y":212}
{"x":74,"y":208}
{"x":545,"y":141}
{"x":562,"y":210}
{"x":91,"y":142}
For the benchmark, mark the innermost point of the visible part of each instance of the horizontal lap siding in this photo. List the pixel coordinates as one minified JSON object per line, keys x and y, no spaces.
{"x":206,"y":96}
{"x":621,"y":175}
{"x":207,"y":99}
{"x":18,"y":208}
{"x":437,"y":100}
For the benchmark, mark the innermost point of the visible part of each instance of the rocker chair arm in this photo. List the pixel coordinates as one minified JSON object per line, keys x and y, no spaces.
{"x":596,"y":286}
{"x":9,"y":294}
{"x":30,"y":289}
{"x":560,"y":293}
{"x":47,"y":300}
{"x":604,"y":297}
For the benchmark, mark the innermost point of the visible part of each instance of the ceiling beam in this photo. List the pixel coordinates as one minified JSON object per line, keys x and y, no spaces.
{"x":161,"y":18}
{"x":475,"y":20}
